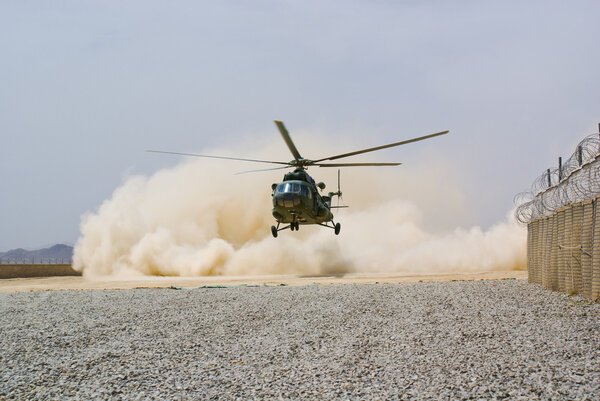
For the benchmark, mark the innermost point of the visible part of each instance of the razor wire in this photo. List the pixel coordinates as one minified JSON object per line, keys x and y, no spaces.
{"x":576,"y":180}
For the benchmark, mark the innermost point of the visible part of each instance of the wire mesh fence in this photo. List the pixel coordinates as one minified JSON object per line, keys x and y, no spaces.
{"x":562,"y":213}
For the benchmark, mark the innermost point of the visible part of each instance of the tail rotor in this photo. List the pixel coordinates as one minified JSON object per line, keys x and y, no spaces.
{"x":339,"y":192}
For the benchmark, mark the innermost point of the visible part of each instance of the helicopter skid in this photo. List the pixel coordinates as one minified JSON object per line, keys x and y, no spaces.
{"x":336,"y":226}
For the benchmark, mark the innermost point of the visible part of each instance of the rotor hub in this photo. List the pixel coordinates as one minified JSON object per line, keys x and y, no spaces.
{"x":302,"y":163}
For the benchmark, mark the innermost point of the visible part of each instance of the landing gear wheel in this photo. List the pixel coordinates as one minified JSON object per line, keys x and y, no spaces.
{"x":274,"y":231}
{"x":338,"y":227}
{"x":292,"y":226}
{"x":297,"y":225}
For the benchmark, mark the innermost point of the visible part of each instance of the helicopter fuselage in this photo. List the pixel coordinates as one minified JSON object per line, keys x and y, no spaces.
{"x":297,"y":201}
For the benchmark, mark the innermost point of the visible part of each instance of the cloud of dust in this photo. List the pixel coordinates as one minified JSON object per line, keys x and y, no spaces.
{"x":197,"y":218}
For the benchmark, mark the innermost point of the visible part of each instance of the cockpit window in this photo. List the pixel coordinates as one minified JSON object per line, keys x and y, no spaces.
{"x":305,"y":191}
{"x":294,"y":187}
{"x":283,"y":188}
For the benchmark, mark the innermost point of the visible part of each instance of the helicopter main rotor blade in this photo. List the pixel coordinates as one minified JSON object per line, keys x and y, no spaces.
{"x":263,"y":169}
{"x":358,"y":152}
{"x":219,"y":157}
{"x":288,"y":140}
{"x":354,"y":164}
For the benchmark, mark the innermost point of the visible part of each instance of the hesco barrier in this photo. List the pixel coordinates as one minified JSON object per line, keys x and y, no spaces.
{"x":563,"y":249}
{"x":562,"y":212}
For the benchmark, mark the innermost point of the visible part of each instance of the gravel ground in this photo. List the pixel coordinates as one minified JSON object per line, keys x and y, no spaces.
{"x":452,"y":340}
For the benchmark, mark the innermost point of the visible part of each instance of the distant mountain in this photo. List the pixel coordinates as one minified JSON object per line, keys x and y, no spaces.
{"x":56,"y":252}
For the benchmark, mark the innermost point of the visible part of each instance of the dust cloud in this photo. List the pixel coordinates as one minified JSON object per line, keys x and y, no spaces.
{"x":198,"y":219}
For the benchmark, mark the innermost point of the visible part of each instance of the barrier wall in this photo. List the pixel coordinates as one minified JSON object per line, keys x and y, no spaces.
{"x":563,"y":249}
{"x":36,"y":270}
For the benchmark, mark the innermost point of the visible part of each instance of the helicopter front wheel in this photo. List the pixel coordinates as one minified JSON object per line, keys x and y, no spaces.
{"x":337,"y":228}
{"x":274,"y":231}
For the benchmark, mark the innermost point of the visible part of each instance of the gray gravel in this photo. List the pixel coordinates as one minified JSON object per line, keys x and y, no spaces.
{"x":455,"y":340}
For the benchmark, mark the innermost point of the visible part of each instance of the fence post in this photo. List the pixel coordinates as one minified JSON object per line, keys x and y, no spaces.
{"x":560,"y":169}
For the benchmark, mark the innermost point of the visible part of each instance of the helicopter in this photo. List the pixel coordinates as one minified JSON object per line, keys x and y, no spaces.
{"x":297,"y":199}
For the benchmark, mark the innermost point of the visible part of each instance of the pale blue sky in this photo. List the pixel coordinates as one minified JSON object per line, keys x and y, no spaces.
{"x":88,"y":85}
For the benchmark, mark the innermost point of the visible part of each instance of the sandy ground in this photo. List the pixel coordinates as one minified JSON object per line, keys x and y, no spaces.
{"x":80,"y":283}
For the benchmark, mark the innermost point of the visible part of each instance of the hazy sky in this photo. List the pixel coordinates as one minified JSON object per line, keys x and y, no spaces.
{"x":88,"y":85}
